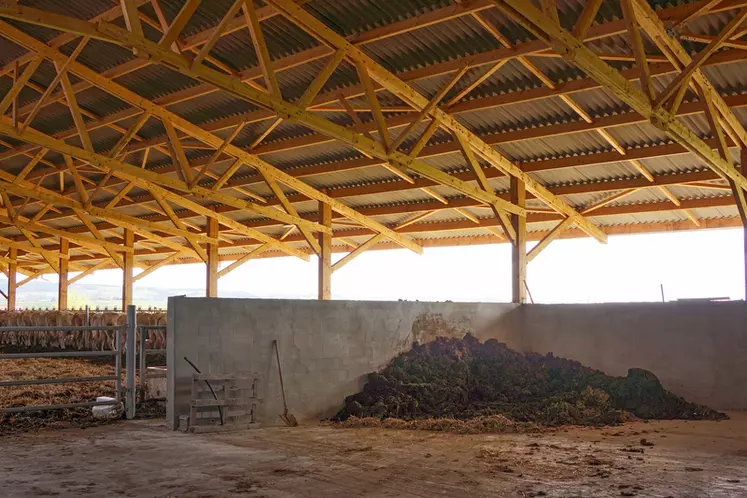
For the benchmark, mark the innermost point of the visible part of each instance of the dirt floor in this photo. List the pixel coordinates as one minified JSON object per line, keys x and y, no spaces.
{"x":142,"y":458}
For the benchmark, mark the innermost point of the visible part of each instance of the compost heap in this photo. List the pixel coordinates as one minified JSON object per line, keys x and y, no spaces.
{"x":466,"y":379}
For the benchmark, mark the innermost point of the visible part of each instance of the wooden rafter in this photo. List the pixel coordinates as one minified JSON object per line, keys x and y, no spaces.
{"x":727,"y":130}
{"x":131,"y":17}
{"x":214,"y":141}
{"x":177,"y":25}
{"x":61,"y":72}
{"x":671,"y":14}
{"x":585,"y":59}
{"x":545,"y":241}
{"x":694,"y":65}
{"x":88,"y":271}
{"x":401,"y":89}
{"x":636,"y":41}
{"x":260,"y":47}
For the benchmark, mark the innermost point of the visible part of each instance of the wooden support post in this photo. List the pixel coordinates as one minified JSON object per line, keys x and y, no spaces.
{"x":127,"y":268}
{"x":12,"y":266}
{"x":743,"y":217}
{"x":211,"y":285}
{"x":519,"y":246}
{"x":325,"y":256}
{"x":62,"y":303}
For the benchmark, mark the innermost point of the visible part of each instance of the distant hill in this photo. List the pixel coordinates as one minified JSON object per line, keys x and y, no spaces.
{"x":42,"y":294}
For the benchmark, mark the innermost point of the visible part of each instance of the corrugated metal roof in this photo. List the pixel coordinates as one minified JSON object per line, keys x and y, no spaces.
{"x":417,"y":48}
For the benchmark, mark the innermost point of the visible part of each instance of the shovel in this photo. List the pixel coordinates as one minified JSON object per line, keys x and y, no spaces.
{"x":288,"y":418}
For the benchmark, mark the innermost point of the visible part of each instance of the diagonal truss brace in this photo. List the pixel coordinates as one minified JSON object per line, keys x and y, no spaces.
{"x":576,"y":52}
{"x":130,"y":172}
{"x":283,"y":109}
{"x":408,"y":94}
{"x":176,"y":61}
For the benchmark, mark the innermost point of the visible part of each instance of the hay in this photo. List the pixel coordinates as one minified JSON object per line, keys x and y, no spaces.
{"x":492,"y":424}
{"x":47,"y":394}
{"x":437,"y":384}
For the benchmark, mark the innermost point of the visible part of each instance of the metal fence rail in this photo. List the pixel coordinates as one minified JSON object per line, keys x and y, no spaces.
{"x":62,"y":328}
{"x":144,"y":353}
{"x":128,"y":394}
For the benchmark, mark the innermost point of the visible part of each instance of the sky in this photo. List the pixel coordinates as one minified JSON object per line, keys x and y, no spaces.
{"x":697,"y":264}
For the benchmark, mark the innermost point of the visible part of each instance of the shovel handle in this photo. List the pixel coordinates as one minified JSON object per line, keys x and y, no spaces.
{"x":280,"y":374}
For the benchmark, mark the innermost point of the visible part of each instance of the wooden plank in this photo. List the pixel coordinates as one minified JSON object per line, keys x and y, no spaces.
{"x":260,"y":47}
{"x":701,"y":57}
{"x":435,"y":100}
{"x":189,"y":128}
{"x":585,"y":20}
{"x":554,"y":234}
{"x":234,"y":402}
{"x":131,"y":17}
{"x":19,"y":84}
{"x":164,"y":262}
{"x":405,"y":92}
{"x":61,"y":71}
{"x":181,"y":20}
{"x":639,"y":52}
{"x":373,"y":102}
{"x":217,"y":32}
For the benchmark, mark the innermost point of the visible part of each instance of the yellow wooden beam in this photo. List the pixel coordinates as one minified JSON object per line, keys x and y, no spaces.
{"x":217,"y":32}
{"x":193,"y":241}
{"x":133,"y":173}
{"x":251,"y":255}
{"x":435,"y":100}
{"x":519,"y":246}
{"x":657,"y":31}
{"x":61,"y":71}
{"x":405,"y":92}
{"x":131,"y":17}
{"x":324,"y":277}
{"x":150,"y":269}
{"x":98,"y":266}
{"x":79,"y":239}
{"x":181,"y":20}
{"x":576,"y":52}
{"x":260,"y":47}
{"x":585,"y":20}
{"x":20,"y":83}
{"x":212,"y":140}
{"x":72,"y":104}
{"x":680,"y":81}
{"x":12,"y":244}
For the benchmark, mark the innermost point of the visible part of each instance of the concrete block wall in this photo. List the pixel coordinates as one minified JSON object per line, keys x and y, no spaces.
{"x":698,"y":350}
{"x":326,"y":347}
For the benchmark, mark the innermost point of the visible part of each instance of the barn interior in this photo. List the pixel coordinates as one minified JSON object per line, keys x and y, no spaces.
{"x":140,"y":134}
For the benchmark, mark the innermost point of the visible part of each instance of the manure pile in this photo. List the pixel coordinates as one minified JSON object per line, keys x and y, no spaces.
{"x":467,"y":379}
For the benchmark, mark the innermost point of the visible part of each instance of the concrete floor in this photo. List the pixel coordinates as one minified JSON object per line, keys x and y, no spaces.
{"x":677,"y":459}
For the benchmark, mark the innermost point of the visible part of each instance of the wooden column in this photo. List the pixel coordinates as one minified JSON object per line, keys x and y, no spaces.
{"x":325,"y":258}
{"x":211,"y":284}
{"x":62,"y":303}
{"x":127,"y":270}
{"x":519,"y":247}
{"x":743,"y":216}
{"x":12,"y":267}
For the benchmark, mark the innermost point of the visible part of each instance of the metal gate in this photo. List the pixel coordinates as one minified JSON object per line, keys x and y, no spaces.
{"x":121,"y":346}
{"x":145,"y":332}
